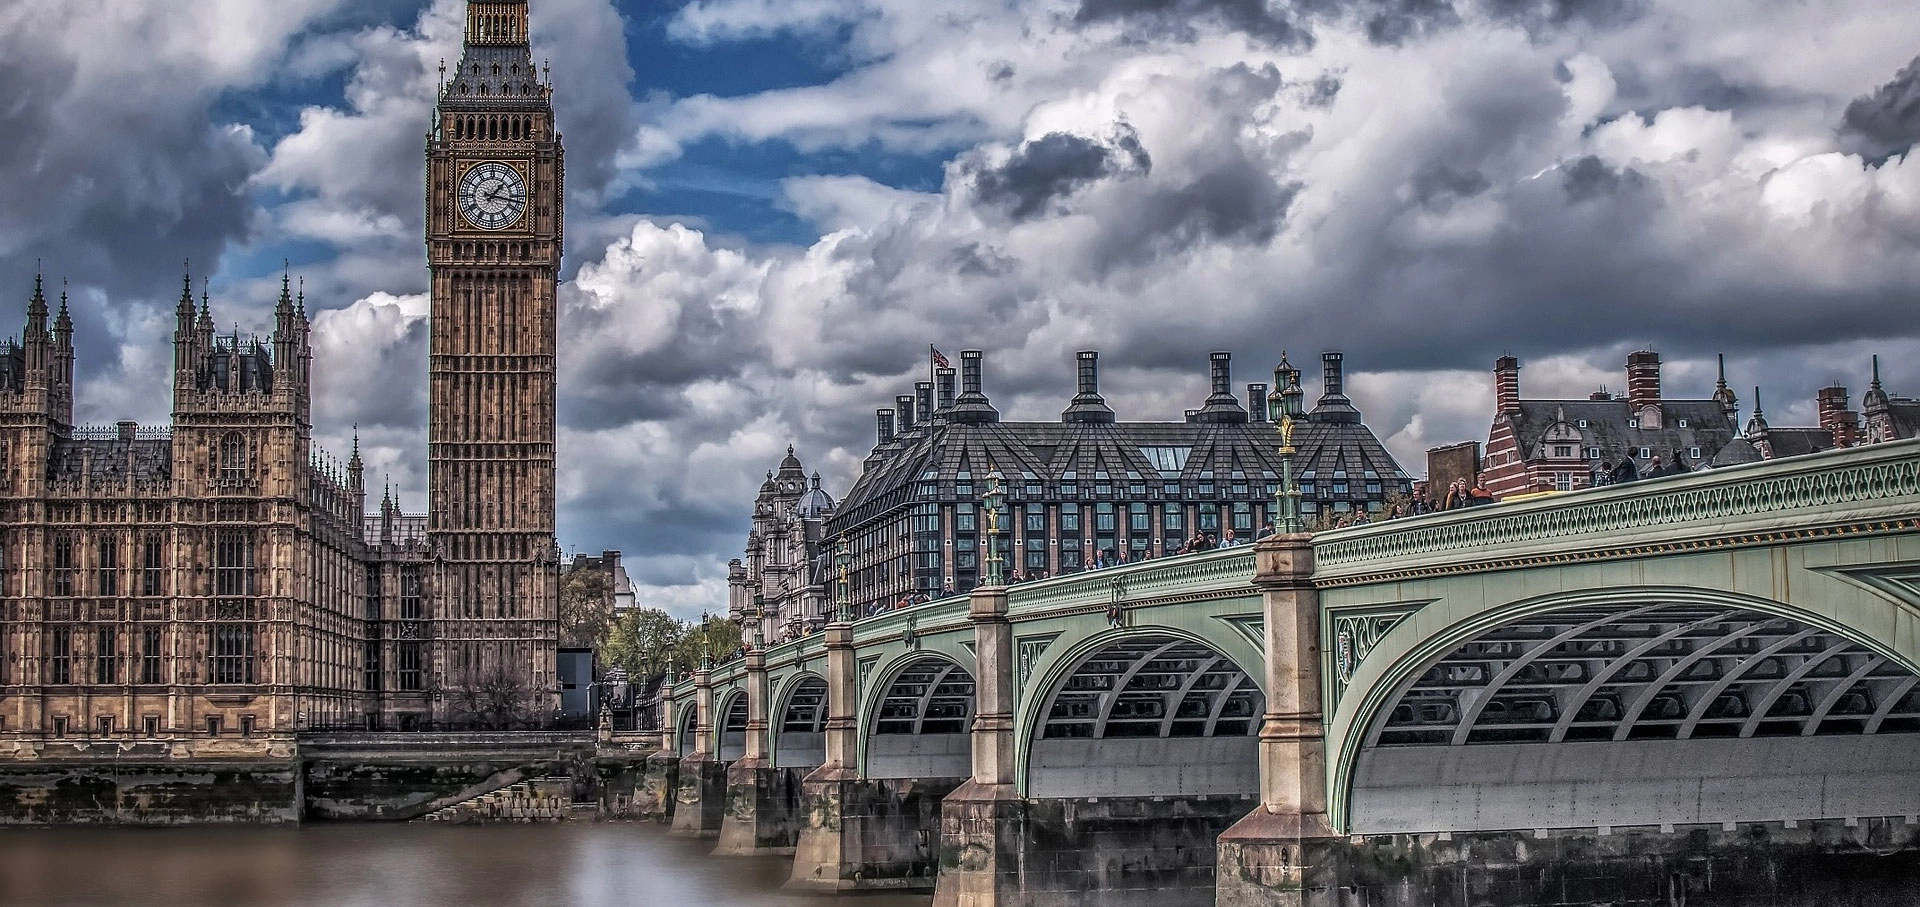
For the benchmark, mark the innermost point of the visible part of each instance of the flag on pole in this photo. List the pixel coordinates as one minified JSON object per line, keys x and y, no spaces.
{"x":939,"y":361}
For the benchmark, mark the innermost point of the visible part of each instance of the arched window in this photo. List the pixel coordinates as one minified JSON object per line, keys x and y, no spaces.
{"x":233,"y":458}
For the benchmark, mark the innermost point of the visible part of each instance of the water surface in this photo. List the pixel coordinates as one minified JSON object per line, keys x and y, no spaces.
{"x":577,"y":864}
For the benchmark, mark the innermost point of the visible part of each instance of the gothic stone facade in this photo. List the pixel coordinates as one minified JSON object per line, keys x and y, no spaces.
{"x":219,"y":583}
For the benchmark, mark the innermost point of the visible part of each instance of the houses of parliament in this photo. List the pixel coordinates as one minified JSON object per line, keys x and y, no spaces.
{"x":220,"y":581}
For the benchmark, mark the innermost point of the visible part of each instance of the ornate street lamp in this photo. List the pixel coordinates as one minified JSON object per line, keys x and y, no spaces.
{"x":994,"y":501}
{"x":1286,"y":388}
{"x":756,"y":635}
{"x":843,"y":608}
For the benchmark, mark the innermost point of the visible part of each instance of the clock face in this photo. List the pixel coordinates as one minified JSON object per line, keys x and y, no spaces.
{"x":493,"y":196}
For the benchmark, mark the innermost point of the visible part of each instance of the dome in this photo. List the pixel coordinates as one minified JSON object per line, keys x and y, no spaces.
{"x":816,"y":503}
{"x":791,"y":465}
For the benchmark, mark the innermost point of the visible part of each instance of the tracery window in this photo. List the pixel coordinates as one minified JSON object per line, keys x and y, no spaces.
{"x":232,"y":653}
{"x":233,"y":458}
{"x":233,"y":562}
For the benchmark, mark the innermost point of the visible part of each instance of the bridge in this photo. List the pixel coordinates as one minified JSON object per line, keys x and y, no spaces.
{"x":1705,"y":686}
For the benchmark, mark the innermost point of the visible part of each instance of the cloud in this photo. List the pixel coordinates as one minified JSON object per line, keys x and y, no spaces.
{"x":1038,"y":172}
{"x":1886,"y":122}
{"x":1425,"y":183}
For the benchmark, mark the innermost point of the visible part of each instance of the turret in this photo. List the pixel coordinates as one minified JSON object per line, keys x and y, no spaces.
{"x":356,"y":479}
{"x":1723,"y":395}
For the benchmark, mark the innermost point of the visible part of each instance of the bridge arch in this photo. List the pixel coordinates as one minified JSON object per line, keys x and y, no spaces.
{"x":919,"y":717}
{"x":688,"y":729}
{"x":800,"y":723}
{"x":730,"y":727}
{"x":1147,"y":711}
{"x":1632,"y":706}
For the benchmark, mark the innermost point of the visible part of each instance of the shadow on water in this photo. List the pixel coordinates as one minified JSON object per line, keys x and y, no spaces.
{"x":573,"y":865}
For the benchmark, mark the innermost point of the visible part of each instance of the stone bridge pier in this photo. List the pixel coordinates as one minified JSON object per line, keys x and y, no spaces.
{"x":871,"y":810}
{"x":1139,"y":753}
{"x":700,"y":782}
{"x":762,"y":799}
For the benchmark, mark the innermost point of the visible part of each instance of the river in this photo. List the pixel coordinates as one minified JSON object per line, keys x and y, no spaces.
{"x":577,"y":864}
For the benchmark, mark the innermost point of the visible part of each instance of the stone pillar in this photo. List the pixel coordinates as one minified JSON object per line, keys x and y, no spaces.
{"x":826,"y":856}
{"x":700,"y":790}
{"x":983,"y":823}
{"x":761,"y":811}
{"x":1281,"y":853}
{"x":653,"y":796}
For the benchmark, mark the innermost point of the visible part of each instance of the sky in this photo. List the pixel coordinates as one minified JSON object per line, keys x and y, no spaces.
{"x":775,"y":206}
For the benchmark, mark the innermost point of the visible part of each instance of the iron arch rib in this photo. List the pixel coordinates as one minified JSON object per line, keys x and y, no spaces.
{"x":1625,"y":713}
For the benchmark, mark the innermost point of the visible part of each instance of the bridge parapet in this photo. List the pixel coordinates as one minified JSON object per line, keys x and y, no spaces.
{"x":1155,"y":581}
{"x":1830,"y":493}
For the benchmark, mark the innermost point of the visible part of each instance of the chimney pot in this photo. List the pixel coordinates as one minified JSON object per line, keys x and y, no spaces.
{"x":903,"y":409}
{"x":1087,"y":404}
{"x":972,"y":405}
{"x":944,"y":380}
{"x":1506,"y":385}
{"x":1643,"y":380}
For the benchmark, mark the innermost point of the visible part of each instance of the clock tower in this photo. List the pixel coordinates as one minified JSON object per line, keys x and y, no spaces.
{"x":495,"y":199}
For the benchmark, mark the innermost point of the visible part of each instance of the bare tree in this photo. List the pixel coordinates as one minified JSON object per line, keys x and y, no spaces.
{"x":496,"y":700}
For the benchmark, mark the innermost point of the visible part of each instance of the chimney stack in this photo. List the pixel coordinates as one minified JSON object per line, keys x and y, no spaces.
{"x":972,"y":405}
{"x":1087,"y":405}
{"x":1221,"y":405}
{"x":1506,"y":386}
{"x":903,"y":410}
{"x":129,"y":429}
{"x":1334,"y":405}
{"x":943,"y":387}
{"x":884,"y":420}
{"x":923,"y":402}
{"x":1836,"y":418}
{"x":1643,"y":380}
{"x":1257,"y":402}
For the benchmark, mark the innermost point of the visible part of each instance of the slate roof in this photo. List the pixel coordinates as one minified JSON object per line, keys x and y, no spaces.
{"x":1906,"y":416}
{"x":1610,"y":426}
{"x":1047,"y":452}
{"x":149,"y":459}
{"x":13,"y":367}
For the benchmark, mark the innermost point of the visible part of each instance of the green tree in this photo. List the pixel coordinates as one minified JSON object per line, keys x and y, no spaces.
{"x":586,"y":608}
{"x":713,"y":637}
{"x":643,"y":642}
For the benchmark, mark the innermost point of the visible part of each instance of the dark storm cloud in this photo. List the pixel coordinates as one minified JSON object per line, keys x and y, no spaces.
{"x":1177,"y":18}
{"x":113,"y":189}
{"x":1589,"y":178}
{"x":1234,"y":200}
{"x":1051,"y":167}
{"x":1390,"y":22}
{"x":1887,"y":122}
{"x":1385,"y":21}
{"x":1439,"y":185}
{"x":1540,"y":16}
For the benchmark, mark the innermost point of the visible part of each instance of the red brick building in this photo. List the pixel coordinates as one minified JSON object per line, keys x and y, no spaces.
{"x":1558,"y":444}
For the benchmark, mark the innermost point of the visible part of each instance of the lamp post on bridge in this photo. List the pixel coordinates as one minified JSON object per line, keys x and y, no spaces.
{"x":994,"y":500}
{"x":842,"y":606}
{"x":1281,"y":406}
